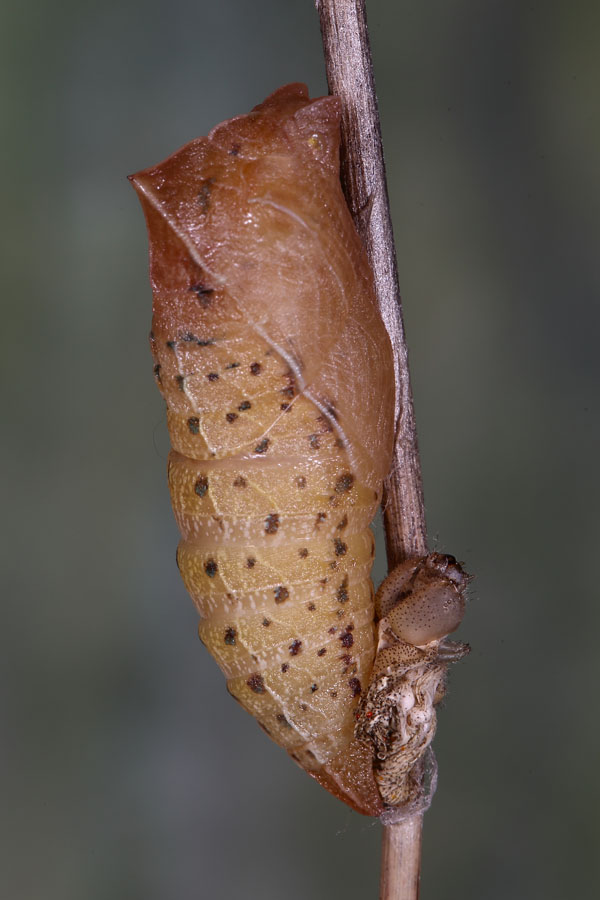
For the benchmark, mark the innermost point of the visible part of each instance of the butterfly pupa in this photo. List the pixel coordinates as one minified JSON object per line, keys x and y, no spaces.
{"x":276,"y":369}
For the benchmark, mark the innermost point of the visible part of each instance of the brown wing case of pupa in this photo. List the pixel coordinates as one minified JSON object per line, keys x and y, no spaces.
{"x":277,"y":373}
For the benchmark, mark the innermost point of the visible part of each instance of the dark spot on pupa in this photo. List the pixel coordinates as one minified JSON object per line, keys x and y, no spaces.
{"x":272,"y":523}
{"x":213,"y":376}
{"x":201,"y":485}
{"x":282,"y":720}
{"x":313,"y":440}
{"x":324,"y":421}
{"x":332,"y":411}
{"x":240,"y":482}
{"x":313,"y":688}
{"x":340,"y":443}
{"x":256,"y":684}
{"x":342,"y":524}
{"x":263,"y":446}
{"x":284,"y":667}
{"x":284,"y":406}
{"x":311,"y":607}
{"x":333,"y":694}
{"x":180,"y":381}
{"x":235,"y":149}
{"x":193,"y":424}
{"x":233,"y":365}
{"x":346,"y":639}
{"x":342,"y":592}
{"x":188,"y":337}
{"x":230,"y":636}
{"x":171,"y":344}
{"x":320,"y":518}
{"x":334,"y":565}
{"x":244,"y":405}
{"x":344,"y":482}
{"x":151,"y":335}
{"x":255,"y":368}
{"x":323,"y":582}
{"x":303,"y":553}
{"x":250,"y":562}
{"x":157,"y":368}
{"x":202,"y":342}
{"x":340,"y":547}
{"x":203,"y":293}
{"x":211,"y":568}
{"x":295,"y":647}
{"x":266,"y":622}
{"x":301,"y":481}
{"x":332,"y":630}
{"x":281,"y":594}
{"x":322,"y":651}
{"x":288,"y":391}
{"x":303,"y":707}
{"x":231,"y":417}
{"x":204,"y":194}
{"x":355,"y":687}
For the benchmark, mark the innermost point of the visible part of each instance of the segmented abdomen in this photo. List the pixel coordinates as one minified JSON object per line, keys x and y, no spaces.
{"x":276,"y":549}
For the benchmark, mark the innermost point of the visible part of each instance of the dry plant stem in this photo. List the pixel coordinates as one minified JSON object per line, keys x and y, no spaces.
{"x":400,"y":858}
{"x":350,"y":76}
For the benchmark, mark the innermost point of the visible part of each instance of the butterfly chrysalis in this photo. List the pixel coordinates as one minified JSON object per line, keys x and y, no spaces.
{"x":276,"y":369}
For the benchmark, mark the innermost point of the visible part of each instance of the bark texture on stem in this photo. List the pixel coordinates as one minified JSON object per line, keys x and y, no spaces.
{"x":350,"y":76}
{"x":400,"y":860}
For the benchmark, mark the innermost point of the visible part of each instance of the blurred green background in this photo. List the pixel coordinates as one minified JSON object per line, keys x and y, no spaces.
{"x":128,"y":770}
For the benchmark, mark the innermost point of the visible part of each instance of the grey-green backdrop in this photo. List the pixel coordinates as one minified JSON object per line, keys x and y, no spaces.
{"x":129,"y":772}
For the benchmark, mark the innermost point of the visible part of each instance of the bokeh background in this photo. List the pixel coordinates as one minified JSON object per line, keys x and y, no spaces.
{"x":128,"y":771}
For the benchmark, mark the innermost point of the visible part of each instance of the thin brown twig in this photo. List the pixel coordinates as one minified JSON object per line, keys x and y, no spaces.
{"x":350,"y":76}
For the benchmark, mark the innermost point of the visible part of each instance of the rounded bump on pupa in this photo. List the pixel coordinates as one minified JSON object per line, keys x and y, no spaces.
{"x":427,"y":614}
